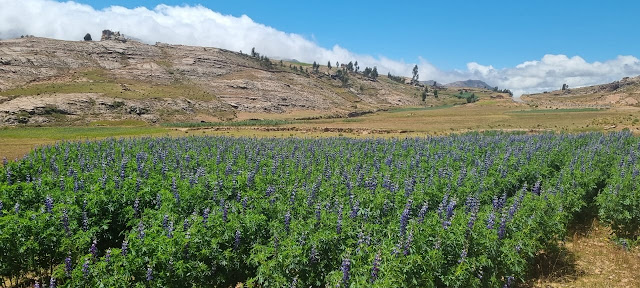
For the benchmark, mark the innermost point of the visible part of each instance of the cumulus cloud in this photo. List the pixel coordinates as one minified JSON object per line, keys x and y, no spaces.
{"x":198,"y":25}
{"x":550,"y":72}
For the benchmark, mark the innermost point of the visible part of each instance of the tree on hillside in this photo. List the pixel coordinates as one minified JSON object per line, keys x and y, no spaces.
{"x":565,"y":87}
{"x":367,"y":72}
{"x":374,"y":73}
{"x":414,"y":79}
{"x":253,"y":52}
{"x":343,"y":76}
{"x":329,"y":65}
{"x":424,"y":93}
{"x":356,"y":66}
{"x":337,"y":65}
{"x":350,"y":66}
{"x":435,"y":93}
{"x":87,"y":37}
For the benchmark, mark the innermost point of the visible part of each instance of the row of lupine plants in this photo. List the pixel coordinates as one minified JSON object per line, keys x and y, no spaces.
{"x":459,"y":211}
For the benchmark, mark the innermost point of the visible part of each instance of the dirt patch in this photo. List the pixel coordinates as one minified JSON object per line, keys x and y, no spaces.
{"x":590,"y":260}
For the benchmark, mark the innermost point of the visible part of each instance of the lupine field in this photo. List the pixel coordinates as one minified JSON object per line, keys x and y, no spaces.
{"x":467,"y":210}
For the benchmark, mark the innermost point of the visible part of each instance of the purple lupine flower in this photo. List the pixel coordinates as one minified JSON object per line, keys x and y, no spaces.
{"x":52,"y":282}
{"x":355,"y":209}
{"x":287,"y":221}
{"x":65,"y":222}
{"x":472,"y":220}
{"x":404,"y":218}
{"x":491,"y":220}
{"x":292,"y":199}
{"x":225,"y":212}
{"x":625,"y":244}
{"x":346,"y":266}
{"x":48,"y":203}
{"x":236,"y":242}
{"x":85,"y":221}
{"x":270,"y":190}
{"x":125,"y":245}
{"x":443,"y":205}
{"x":36,"y":285}
{"x":448,"y":214}
{"x":1,"y":205}
{"x":245,"y":201}
{"x":174,"y":189}
{"x":205,"y":216}
{"x":16,"y":208}
{"x":186,"y":224}
{"x":170,"y":230}
{"x":423,"y":212}
{"x":85,"y":268}
{"x":94,"y":249}
{"x":158,"y":201}
{"x":68,"y":266}
{"x":375,"y":269}
{"x":136,"y":207}
{"x":508,"y":282}
{"x":165,"y":221}
{"x":503,"y":226}
{"x":9,"y":175}
{"x":149,"y":274}
{"x":141,"y":230}
{"x":463,"y":255}
{"x":107,"y":257}
{"x":407,"y":244}
{"x":536,"y":188}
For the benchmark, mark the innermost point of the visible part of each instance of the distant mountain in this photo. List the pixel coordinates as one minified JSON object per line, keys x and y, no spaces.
{"x":430,"y":83}
{"x":469,"y":84}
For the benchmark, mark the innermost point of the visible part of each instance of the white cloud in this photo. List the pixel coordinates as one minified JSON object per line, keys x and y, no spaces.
{"x":198,"y":25}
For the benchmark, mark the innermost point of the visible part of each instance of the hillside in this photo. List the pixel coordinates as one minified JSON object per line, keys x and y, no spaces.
{"x":469,"y":84}
{"x":625,"y":92}
{"x":46,"y":81}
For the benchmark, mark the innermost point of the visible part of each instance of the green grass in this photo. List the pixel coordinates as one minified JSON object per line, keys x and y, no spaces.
{"x":567,"y":110}
{"x":99,"y":81}
{"x":411,"y":109}
{"x":125,"y":122}
{"x":227,"y":124}
{"x":71,"y":133}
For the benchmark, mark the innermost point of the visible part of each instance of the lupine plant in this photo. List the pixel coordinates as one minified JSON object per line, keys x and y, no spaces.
{"x":459,"y":211}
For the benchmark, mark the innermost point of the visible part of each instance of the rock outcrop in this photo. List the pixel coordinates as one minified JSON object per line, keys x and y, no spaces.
{"x":115,"y":36}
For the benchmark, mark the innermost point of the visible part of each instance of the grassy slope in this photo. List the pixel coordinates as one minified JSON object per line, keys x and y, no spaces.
{"x":101,"y":81}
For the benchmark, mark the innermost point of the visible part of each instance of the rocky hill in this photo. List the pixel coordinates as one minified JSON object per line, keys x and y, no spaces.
{"x":469,"y":84}
{"x":45,"y":80}
{"x":625,"y":92}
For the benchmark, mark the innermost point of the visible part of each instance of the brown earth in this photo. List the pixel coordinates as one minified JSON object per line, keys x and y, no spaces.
{"x":625,"y":92}
{"x":81,"y":80}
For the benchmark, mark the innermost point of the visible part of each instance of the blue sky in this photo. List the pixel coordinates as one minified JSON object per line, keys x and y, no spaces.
{"x":526,"y":46}
{"x":447,"y":33}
